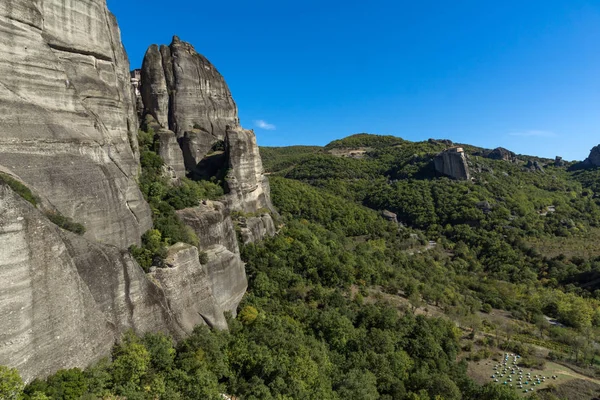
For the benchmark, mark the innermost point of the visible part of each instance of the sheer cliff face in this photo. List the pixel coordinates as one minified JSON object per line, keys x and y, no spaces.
{"x":185,"y":92}
{"x":65,"y":300}
{"x":67,"y":115}
{"x":452,"y":163}
{"x":193,"y":109}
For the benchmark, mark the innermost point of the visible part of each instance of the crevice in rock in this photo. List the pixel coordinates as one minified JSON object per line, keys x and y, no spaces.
{"x":66,"y":49}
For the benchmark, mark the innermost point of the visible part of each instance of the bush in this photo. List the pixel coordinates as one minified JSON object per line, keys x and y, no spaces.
{"x":66,"y":223}
{"x":203,"y":257}
{"x":11,"y":384}
{"x":19,"y":188}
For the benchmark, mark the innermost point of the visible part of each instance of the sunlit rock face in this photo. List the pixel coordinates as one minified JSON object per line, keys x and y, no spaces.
{"x":186,"y":94}
{"x":65,"y":300}
{"x":67,"y":115}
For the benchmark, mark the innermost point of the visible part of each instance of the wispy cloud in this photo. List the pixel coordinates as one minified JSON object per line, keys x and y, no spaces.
{"x":534,"y":133}
{"x":264,"y":125}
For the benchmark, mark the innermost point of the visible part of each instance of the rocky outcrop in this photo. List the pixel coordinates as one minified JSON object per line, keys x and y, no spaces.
{"x":389,"y":216}
{"x":452,"y":163}
{"x":559,"y":162}
{"x":594,"y":157}
{"x":184,"y":93}
{"x":500,"y":153}
{"x":68,"y":119}
{"x":169,"y":150}
{"x":217,"y":238}
{"x":188,"y":289}
{"x":253,"y":229}
{"x":534,"y":166}
{"x":65,"y":300}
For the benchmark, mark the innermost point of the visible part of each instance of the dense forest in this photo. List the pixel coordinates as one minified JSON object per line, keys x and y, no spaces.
{"x":346,"y":304}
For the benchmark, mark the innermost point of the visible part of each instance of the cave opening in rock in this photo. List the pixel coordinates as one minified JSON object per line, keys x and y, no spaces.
{"x":212,"y":166}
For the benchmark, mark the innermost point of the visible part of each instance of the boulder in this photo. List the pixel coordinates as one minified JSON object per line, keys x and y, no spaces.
{"x":559,"y":162}
{"x":390,"y":216}
{"x":500,"y":153}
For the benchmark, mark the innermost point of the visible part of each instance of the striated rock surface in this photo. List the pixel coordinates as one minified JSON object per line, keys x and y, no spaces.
{"x":217,"y":236}
{"x":188,"y":289}
{"x":253,"y":229}
{"x":66,"y":300}
{"x":170,"y":152}
{"x":453,"y":163}
{"x":185,"y":93}
{"x":67,"y":114}
{"x":248,"y":187}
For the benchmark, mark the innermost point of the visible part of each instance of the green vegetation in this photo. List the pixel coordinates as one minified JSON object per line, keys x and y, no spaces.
{"x":345,"y":305}
{"x":55,"y":217}
{"x":65,"y":222}
{"x":165,"y":198}
{"x":19,"y":188}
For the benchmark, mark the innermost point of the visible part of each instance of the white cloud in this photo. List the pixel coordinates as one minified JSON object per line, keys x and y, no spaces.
{"x":534,"y":133}
{"x":264,"y":125}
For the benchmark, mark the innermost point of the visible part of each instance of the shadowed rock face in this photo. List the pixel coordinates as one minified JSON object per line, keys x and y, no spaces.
{"x":594,"y":157}
{"x":67,"y":114}
{"x":452,"y":163}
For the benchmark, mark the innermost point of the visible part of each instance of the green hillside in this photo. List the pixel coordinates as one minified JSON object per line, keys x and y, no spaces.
{"x":345,"y":304}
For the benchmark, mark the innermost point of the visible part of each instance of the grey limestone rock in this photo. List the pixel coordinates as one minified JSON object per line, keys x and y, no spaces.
{"x":170,"y":151}
{"x":390,"y":216}
{"x":67,"y":114}
{"x":188,"y":289}
{"x":254,"y":229}
{"x":65,"y":300}
{"x":184,"y":91}
{"x":217,"y":236}
{"x":500,"y":153}
{"x":453,"y":163}
{"x":248,"y":187}
{"x":594,"y":157}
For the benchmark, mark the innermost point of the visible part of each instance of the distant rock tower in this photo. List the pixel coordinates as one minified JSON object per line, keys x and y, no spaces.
{"x":452,"y":163}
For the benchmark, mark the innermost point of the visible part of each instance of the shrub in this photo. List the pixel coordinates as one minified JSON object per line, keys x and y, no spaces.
{"x":19,"y":188}
{"x":248,"y":315}
{"x":11,"y":384}
{"x":203,"y":257}
{"x":66,"y":223}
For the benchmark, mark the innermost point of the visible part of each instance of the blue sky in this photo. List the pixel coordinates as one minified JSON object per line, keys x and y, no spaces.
{"x":522,"y":74}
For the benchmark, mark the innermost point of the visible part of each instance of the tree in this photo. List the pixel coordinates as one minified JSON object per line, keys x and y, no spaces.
{"x":11,"y":384}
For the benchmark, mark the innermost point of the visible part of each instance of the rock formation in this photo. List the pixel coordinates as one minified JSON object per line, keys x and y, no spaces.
{"x":500,"y":153}
{"x":452,"y":163}
{"x":594,"y":157}
{"x":390,"y":216}
{"x":69,"y":128}
{"x":193,"y":111}
{"x":65,"y":300}
{"x":68,"y":119}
